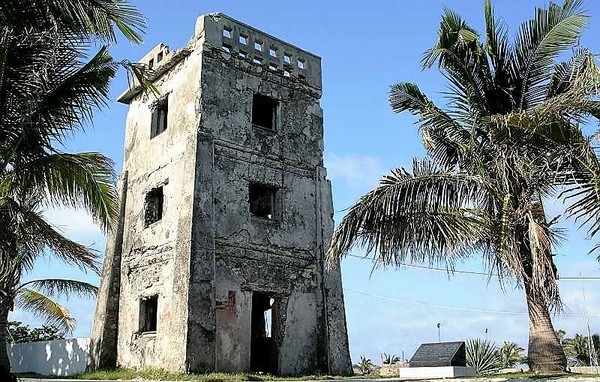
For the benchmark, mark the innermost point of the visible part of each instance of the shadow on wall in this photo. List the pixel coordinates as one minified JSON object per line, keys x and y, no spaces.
{"x":58,"y":357}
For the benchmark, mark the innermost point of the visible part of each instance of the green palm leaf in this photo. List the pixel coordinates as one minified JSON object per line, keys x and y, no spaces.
{"x":431,"y":215}
{"x":97,"y":18}
{"x":46,"y":309}
{"x":539,"y":41}
{"x":83,"y":180}
{"x":62,"y":287}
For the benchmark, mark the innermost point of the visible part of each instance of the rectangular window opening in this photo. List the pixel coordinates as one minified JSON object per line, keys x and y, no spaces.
{"x":301,"y":64}
{"x":154,"y":206}
{"x":264,"y":111}
{"x":243,"y":54}
{"x":258,"y":45}
{"x":243,"y":39}
{"x":273,"y":52}
{"x":151,"y":63}
{"x":148,"y":314}
{"x":159,"y":118}
{"x":159,"y":57}
{"x":227,"y":32}
{"x":262,"y":200}
{"x":287,"y":59}
{"x":226,"y":48}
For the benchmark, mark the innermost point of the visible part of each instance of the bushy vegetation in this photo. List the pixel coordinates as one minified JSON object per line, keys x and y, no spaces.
{"x":580,"y":349}
{"x":19,"y":332}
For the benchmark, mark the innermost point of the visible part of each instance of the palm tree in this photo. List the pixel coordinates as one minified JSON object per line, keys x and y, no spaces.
{"x":49,"y":88}
{"x":365,"y":366}
{"x":508,"y":139}
{"x":389,"y":359}
{"x":510,"y":354}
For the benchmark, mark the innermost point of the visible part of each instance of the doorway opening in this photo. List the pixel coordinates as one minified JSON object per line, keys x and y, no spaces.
{"x":262,"y":346}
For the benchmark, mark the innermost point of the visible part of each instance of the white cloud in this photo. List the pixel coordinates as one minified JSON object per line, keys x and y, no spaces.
{"x":73,"y":222}
{"x":357,"y":172}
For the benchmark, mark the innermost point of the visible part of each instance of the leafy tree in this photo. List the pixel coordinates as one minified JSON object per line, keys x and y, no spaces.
{"x":508,"y":139}
{"x":482,"y":355}
{"x":19,"y":332}
{"x":49,"y":88}
{"x":510,"y":354}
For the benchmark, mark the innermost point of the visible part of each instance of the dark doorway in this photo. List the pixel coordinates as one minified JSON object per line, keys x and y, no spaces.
{"x":262,"y":347}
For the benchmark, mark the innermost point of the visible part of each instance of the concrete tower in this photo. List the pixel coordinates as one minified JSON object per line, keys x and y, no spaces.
{"x":216,"y":263}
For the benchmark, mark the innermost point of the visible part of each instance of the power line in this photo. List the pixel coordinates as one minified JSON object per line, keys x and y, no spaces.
{"x":466,"y":309}
{"x":475,"y":273}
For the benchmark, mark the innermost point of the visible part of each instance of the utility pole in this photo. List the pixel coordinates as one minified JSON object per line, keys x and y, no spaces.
{"x":439,"y":332}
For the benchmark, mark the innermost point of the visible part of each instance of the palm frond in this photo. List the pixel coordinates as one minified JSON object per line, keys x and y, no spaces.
{"x":443,"y":136}
{"x":46,"y":309}
{"x":428,"y":216}
{"x":36,"y":232}
{"x":78,"y":180}
{"x":583,"y":190}
{"x":96,"y":18}
{"x":539,"y":41}
{"x":62,"y":287}
{"x":462,"y":57}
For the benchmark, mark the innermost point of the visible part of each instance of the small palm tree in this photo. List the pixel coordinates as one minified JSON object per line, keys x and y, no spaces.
{"x":482,"y":355}
{"x":389,"y":359}
{"x":365,"y":366}
{"x":509,"y":139}
{"x":510,"y":354}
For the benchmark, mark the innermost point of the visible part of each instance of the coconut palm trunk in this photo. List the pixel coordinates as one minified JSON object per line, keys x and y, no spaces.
{"x":5,"y":374}
{"x":544,"y":352}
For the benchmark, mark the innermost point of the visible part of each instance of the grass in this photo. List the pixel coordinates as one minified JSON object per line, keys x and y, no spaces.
{"x":163,"y":375}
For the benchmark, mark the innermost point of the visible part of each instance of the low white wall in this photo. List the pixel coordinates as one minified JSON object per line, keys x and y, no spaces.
{"x":58,"y":357}
{"x":436,"y":372}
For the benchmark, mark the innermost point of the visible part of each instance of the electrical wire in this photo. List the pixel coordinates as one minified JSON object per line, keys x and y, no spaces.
{"x":475,"y":273}
{"x":466,"y":309}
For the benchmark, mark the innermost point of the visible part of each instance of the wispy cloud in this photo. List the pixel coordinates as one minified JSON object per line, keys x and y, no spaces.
{"x":358,"y":173}
{"x":73,"y":222}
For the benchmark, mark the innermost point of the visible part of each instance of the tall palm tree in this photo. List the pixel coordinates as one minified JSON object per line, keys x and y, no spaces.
{"x":508,"y":139}
{"x":49,"y":87}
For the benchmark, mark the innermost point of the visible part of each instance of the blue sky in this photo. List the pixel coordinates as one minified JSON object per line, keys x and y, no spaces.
{"x":365,"y":48}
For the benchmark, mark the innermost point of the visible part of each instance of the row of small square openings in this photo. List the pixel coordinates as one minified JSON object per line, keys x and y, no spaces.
{"x":259,"y":46}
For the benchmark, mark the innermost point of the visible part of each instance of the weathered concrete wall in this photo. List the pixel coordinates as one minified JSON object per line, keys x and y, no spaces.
{"x":58,"y":357}
{"x":208,"y":255}
{"x":156,"y":258}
